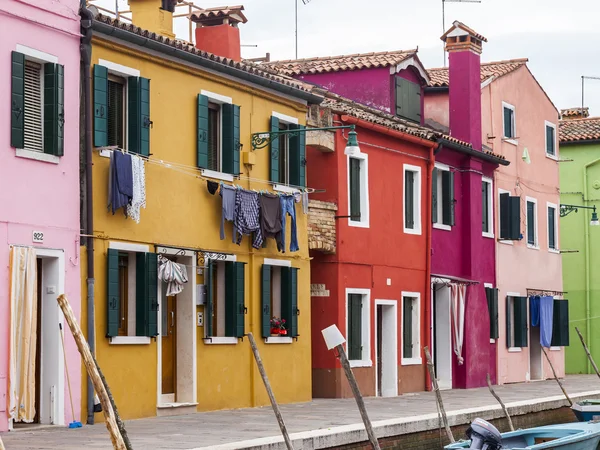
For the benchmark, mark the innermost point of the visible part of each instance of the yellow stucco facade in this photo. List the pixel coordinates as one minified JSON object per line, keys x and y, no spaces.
{"x":181,"y":214}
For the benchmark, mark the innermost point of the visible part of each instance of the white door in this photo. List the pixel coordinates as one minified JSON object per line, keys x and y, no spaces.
{"x":386,"y":315}
{"x":442,"y":335}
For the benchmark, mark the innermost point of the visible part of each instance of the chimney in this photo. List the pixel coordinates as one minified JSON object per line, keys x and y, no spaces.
{"x":464,"y":48}
{"x":154,"y":15}
{"x":217,"y":30}
{"x":574,"y":113}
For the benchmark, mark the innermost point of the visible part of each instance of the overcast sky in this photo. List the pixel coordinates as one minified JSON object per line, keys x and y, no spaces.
{"x":561,"y":38}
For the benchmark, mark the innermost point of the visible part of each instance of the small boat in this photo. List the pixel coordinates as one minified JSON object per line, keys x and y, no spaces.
{"x":587,"y":410}
{"x":569,"y":436}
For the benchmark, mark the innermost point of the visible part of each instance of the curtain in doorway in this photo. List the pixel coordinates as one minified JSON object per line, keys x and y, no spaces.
{"x":457,"y":305}
{"x":23,"y":333}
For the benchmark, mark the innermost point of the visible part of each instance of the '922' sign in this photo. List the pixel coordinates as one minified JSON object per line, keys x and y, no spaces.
{"x":38,"y":237}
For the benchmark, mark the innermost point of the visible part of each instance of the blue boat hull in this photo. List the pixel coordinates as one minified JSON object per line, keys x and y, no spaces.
{"x":587,"y":410}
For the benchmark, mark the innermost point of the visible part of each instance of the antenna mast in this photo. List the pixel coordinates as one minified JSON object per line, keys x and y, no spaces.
{"x":583,"y":78}
{"x":296,"y":20}
{"x":444,"y":16}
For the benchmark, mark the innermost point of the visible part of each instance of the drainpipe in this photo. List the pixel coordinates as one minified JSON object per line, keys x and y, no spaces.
{"x":86,"y":54}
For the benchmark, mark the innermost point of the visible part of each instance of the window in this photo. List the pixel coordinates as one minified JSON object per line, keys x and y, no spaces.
{"x":284,"y":155}
{"x":358,"y":327}
{"x":560,"y":323}
{"x":509,"y":127}
{"x":132,"y":303}
{"x":37,"y":104}
{"x":442,"y":197}
{"x":532,"y":239}
{"x":412,"y":199}
{"x":516,"y":321}
{"x":358,"y":191}
{"x":491,"y":296}
{"x":487,"y":211}
{"x":214,"y":137}
{"x":224,"y":308}
{"x":279,"y":297}
{"x":287,"y":152}
{"x":408,"y":100}
{"x":411,"y":328}
{"x":116,"y":111}
{"x":510,"y":217}
{"x":552,"y":227}
{"x":551,"y":140}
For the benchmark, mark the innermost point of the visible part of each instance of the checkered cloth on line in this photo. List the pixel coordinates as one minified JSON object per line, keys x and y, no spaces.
{"x":247,"y":217}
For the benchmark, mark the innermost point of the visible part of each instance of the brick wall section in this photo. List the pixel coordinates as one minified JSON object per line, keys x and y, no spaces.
{"x":321,"y":226}
{"x":433,"y":439}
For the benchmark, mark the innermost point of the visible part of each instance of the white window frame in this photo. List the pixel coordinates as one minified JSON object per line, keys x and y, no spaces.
{"x":498,"y":215}
{"x":514,"y":349}
{"x":278,"y":263}
{"x":364,"y":191}
{"x":490,"y":218}
{"x":513,"y":140}
{"x":556,"y":215}
{"x":416,"y":329}
{"x":416,"y":170}
{"x":440,"y":208}
{"x":365,"y":327}
{"x":548,"y":155}
{"x":536,"y":245}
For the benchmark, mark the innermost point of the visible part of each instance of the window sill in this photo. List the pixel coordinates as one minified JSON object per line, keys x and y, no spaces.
{"x":533,"y":247}
{"x":555,"y":349}
{"x":130,"y":340}
{"x":217,"y":175}
{"x":553,"y":157}
{"x":221,"y":340}
{"x":511,"y":141}
{"x":414,"y":231}
{"x":358,"y":224}
{"x":515,"y":350}
{"x":361,"y":363}
{"x":488,"y":235}
{"x":285,"y":189}
{"x":554,"y":250}
{"x":492,"y":341}
{"x":411,"y":362}
{"x":441,"y":226}
{"x":37,"y":156}
{"x":505,"y":241}
{"x":278,"y":340}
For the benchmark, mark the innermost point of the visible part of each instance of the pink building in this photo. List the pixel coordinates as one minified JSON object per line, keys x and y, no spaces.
{"x":520,"y":208}
{"x":39,"y":209}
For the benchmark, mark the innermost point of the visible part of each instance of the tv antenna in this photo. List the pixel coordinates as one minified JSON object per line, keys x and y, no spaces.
{"x":304,"y":2}
{"x":583,"y":78}
{"x":444,"y":16}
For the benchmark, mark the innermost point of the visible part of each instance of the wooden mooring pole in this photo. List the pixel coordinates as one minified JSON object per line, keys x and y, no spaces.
{"x":587,"y":351}
{"x":556,"y":378}
{"x":497,"y":397}
{"x":2,"y":445}
{"x":438,"y":396}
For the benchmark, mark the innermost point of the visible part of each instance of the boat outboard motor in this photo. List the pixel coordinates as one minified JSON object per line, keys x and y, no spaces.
{"x":484,"y":436}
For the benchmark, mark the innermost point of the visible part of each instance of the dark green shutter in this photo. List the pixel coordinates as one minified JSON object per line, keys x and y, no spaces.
{"x":209,"y":305}
{"x":298,"y":157}
{"x":113,"y":301}
{"x":354,"y":187}
{"x":530,"y":223}
{"x":408,"y":99}
{"x":550,"y":140}
{"x":202,"y":132}
{"x":508,"y":123}
{"x":152,"y":293}
{"x":354,"y":334}
{"x":407,"y":331}
{"x":484,"y":207}
{"x":274,"y":150}
{"x":509,"y":320}
{"x":520,"y":321}
{"x":138,"y":106}
{"x":100,"y":106}
{"x":54,"y":114}
{"x":409,"y":199}
{"x":515,"y":218}
{"x":289,"y":299}
{"x":505,"y":216}
{"x":17,"y":108}
{"x":552,"y":228}
{"x":448,"y":198}
{"x":491,"y":295}
{"x":146,"y":305}
{"x":231,"y":138}
{"x":560,"y":324}
{"x":434,"y":195}
{"x":234,"y":299}
{"x":265,"y":300}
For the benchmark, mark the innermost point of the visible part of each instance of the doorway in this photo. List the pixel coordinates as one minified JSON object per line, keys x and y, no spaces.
{"x":442,"y":337}
{"x":535,"y":355}
{"x":169,"y":346}
{"x":386,"y":346}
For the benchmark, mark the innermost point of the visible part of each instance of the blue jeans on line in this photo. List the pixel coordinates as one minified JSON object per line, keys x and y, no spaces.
{"x":288,"y":207}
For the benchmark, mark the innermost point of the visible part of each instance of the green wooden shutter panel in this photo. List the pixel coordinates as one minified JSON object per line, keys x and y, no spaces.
{"x":54,"y":95}
{"x":434,"y":195}
{"x":231,"y":138}
{"x":113,"y":301}
{"x":146,"y":305}
{"x":234,"y":299}
{"x":560,"y":324}
{"x":515,"y":218}
{"x":100,"y":106}
{"x":448,"y":198}
{"x":530,"y":223}
{"x":409,"y":203}
{"x":484,"y":207}
{"x":152,"y":293}
{"x":407,"y":331}
{"x":289,"y":299}
{"x":508,"y":123}
{"x":17,"y":108}
{"x":240,"y":299}
{"x":209,"y":303}
{"x":265,"y":300}
{"x":297,"y":157}
{"x":202,"y":132}
{"x":274,"y":151}
{"x":295,"y":312}
{"x":408,"y":99}
{"x":355,"y":326}
{"x":505,"y":216}
{"x":415,"y":101}
{"x":508,"y":323}
{"x":549,"y":140}
{"x":520,"y":321}
{"x":354,"y":187}
{"x":138,"y":107}
{"x":552,"y":228}
{"x":491,"y":296}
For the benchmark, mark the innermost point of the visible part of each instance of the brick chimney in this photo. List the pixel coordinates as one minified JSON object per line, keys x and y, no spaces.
{"x":574,"y":113}
{"x":154,"y":15}
{"x":217,"y":30}
{"x":464,"y":47}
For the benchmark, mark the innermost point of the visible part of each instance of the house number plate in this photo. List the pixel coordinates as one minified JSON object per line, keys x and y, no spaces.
{"x":38,"y":237}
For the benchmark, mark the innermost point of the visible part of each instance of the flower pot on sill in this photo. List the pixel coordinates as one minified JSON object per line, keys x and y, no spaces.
{"x":274,"y":332}
{"x":283,"y":332}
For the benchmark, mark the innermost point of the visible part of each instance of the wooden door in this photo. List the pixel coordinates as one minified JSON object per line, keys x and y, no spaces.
{"x":169,"y":347}
{"x":38,"y":343}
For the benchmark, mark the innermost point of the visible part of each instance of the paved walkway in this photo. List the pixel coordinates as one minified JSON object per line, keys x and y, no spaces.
{"x":205,"y":430}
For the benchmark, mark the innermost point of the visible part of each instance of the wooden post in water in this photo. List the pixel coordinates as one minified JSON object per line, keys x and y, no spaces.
{"x":438,"y":396}
{"x":497,"y":397}
{"x":556,"y":377}
{"x":587,"y":351}
{"x":2,"y":445}
{"x":263,"y":374}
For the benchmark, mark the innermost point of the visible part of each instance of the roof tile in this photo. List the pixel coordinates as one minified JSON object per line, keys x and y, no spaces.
{"x":574,"y":130}
{"x":219,"y":11}
{"x":440,"y":77}
{"x":575,"y":112}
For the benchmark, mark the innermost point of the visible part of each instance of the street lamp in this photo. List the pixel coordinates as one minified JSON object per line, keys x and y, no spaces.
{"x":565,"y":210}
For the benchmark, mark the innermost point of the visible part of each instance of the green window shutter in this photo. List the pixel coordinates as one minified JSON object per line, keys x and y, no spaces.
{"x":434,"y":195}
{"x":505,"y":216}
{"x":231,"y":138}
{"x":354,"y":334}
{"x":484,"y":207}
{"x":354,"y":187}
{"x":515,"y":218}
{"x":100,"y":106}
{"x":146,"y":305}
{"x":234,"y":299}
{"x":298,"y":157}
{"x":209,"y":304}
{"x":408,"y":99}
{"x":202,"y":132}
{"x":491,"y":295}
{"x":407,"y":331}
{"x":17,"y":108}
{"x":289,"y":299}
{"x":265,"y":300}
{"x":509,"y":320}
{"x":552,"y":228}
{"x":138,"y":107}
{"x":520,"y":321}
{"x":560,"y":324}
{"x":274,"y":151}
{"x":54,"y":114}
{"x":508,"y":114}
{"x":152,"y":293}
{"x":448,"y":198}
{"x":550,"y":140}
{"x":415,"y":101}
{"x":530,"y":223}
{"x":409,"y":199}
{"x":113,"y":301}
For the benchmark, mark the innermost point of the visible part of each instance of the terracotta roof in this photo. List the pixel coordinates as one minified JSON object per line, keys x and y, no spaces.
{"x":185,"y":46}
{"x":575,"y":130}
{"x":575,"y":112}
{"x":220,"y":12}
{"x":342,"y":62}
{"x":471,"y":31}
{"x":439,"y":77}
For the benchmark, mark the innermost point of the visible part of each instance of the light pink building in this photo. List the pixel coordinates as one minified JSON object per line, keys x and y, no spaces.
{"x":39,"y":209}
{"x":521,"y":211}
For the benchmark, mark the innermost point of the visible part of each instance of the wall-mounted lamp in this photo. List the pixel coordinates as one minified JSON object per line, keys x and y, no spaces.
{"x":565,"y":210}
{"x":261,"y":140}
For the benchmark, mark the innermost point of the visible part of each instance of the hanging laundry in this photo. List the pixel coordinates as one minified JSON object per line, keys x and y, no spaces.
{"x":120,"y":181}
{"x":457,"y":307}
{"x":546,"y":317}
{"x":228,"y":194}
{"x":270,"y":217}
{"x":212,"y":187}
{"x":534,"y":310}
{"x":305,"y":202}
{"x":288,"y":207}
{"x":138,"y":199}
{"x":175,"y":275}
{"x":247,"y":217}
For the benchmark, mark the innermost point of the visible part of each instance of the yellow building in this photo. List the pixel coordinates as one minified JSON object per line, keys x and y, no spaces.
{"x":191,"y":115}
